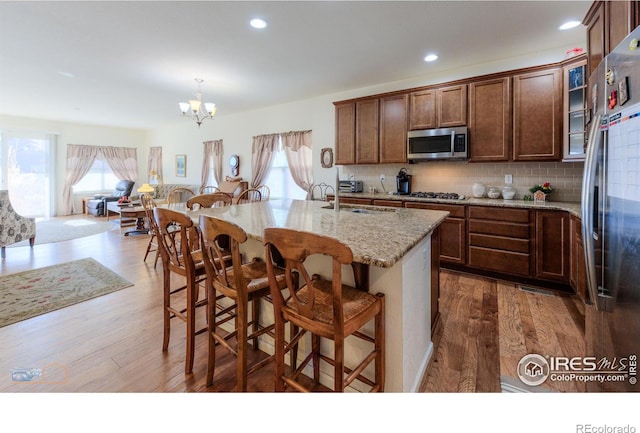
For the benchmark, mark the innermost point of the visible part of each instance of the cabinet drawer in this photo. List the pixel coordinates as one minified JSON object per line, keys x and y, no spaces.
{"x":500,"y":261}
{"x":499,"y":214}
{"x":500,"y":243}
{"x":455,"y":211}
{"x":390,"y":203}
{"x":499,"y":228}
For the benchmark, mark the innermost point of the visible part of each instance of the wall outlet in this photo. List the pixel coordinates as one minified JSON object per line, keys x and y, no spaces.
{"x":508,"y":179}
{"x":382,"y":178}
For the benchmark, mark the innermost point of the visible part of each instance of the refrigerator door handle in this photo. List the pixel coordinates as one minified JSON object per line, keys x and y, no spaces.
{"x":588,"y":201}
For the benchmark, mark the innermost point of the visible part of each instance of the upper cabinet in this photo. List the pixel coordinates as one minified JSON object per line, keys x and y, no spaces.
{"x":438,"y":108}
{"x":537,"y":115}
{"x":608,"y":23}
{"x":574,"y":109}
{"x":393,"y":128}
{"x":372,"y":130}
{"x":490,"y":120}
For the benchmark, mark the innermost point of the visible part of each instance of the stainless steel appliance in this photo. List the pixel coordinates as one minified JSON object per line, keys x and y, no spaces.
{"x":611,"y":216}
{"x":350,"y":186}
{"x":433,"y":144}
{"x":403,"y":182}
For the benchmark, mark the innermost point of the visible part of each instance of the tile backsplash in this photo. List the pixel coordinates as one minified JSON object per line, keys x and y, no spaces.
{"x":459,"y":176}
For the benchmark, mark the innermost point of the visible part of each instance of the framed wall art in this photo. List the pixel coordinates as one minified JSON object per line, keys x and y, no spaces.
{"x":181,"y":165}
{"x":326,"y":157}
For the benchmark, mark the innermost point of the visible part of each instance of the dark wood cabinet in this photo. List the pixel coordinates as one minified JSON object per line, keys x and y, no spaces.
{"x":490,"y":119}
{"x":500,"y":240}
{"x":422,"y":109}
{"x":345,"y":133}
{"x":389,"y":203}
{"x":367,"y":132}
{"x":537,"y":115}
{"x":393,"y":128}
{"x":438,"y":108}
{"x":553,"y":255}
{"x":608,"y":23}
{"x":451,"y":103}
{"x":453,"y":244}
{"x":578,"y":268}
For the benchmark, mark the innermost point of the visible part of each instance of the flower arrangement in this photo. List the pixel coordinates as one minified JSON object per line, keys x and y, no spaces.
{"x":545,"y":188}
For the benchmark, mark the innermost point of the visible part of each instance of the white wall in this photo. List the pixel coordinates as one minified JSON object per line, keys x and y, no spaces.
{"x":73,"y":133}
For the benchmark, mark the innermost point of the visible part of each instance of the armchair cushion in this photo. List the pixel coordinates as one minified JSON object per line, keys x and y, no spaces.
{"x":14,"y":227}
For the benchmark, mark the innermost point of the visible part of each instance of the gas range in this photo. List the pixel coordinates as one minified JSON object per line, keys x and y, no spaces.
{"x":438,"y":195}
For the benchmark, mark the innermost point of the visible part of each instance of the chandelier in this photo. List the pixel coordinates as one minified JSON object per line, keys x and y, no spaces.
{"x":196,"y":109}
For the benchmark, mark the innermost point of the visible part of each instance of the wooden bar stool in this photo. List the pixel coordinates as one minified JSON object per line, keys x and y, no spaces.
{"x":241,"y":283}
{"x":214,"y":199}
{"x":178,"y":241}
{"x":324,"y":308}
{"x":148,"y":203}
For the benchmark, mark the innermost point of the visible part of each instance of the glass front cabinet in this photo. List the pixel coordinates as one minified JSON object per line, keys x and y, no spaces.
{"x":575,"y":110}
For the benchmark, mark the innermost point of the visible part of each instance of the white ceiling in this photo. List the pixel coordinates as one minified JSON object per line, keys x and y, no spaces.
{"x":129,"y":63}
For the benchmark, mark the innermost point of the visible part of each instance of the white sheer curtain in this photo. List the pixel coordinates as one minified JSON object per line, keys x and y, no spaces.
{"x":262,"y":154}
{"x":155,"y":162}
{"x":80,"y":158}
{"x":212,"y":159}
{"x":297,"y":148}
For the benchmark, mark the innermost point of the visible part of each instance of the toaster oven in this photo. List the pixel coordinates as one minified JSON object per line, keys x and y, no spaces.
{"x":350,"y":186}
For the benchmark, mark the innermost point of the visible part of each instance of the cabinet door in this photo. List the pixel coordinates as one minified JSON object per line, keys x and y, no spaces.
{"x":367,"y":131}
{"x":620,"y":22}
{"x":393,"y":128}
{"x":595,"y":36}
{"x":345,"y":133}
{"x":490,"y":120}
{"x":574,"y":111}
{"x":578,"y":272}
{"x":422,"y":109}
{"x":552,"y":246}
{"x":537,"y":114}
{"x":451,"y":105}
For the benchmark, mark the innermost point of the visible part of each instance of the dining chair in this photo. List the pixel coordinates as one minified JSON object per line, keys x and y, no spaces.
{"x":250,"y":195}
{"x":216,"y":199}
{"x":265,"y":192}
{"x":179,"y":195}
{"x":241,"y":284}
{"x":178,"y":241}
{"x":325,"y":308}
{"x":209,"y":189}
{"x":148,"y":203}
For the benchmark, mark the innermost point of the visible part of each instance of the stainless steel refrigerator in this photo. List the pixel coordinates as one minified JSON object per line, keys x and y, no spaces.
{"x":611,"y":217}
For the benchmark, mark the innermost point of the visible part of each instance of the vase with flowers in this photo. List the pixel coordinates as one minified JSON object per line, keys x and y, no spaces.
{"x":540,"y":192}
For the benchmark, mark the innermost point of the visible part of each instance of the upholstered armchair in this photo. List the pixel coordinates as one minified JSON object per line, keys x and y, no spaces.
{"x":14,"y":227}
{"x":98,"y":205}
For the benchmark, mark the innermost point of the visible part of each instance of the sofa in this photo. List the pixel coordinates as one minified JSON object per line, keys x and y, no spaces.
{"x":97,"y":206}
{"x":14,"y":227}
{"x":161,"y":191}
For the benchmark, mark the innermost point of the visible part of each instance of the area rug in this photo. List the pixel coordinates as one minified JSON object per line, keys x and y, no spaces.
{"x":30,"y":293}
{"x":58,"y":230}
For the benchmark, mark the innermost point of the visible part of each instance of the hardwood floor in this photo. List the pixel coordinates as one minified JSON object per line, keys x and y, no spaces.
{"x":113,"y":343}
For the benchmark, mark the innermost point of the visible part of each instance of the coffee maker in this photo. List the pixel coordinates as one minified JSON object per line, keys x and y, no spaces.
{"x":403,"y":182}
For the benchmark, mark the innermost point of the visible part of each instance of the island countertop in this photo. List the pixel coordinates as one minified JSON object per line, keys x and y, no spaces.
{"x":377,"y":236}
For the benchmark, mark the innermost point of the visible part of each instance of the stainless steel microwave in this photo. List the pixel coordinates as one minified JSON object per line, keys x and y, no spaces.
{"x":432,"y":144}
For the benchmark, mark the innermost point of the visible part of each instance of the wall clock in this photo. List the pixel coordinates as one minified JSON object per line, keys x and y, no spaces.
{"x":234,"y":163}
{"x":326,"y":157}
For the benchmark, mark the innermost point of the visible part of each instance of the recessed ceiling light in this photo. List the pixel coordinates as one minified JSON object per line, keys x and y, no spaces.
{"x":431,"y":58}
{"x":258,"y":23}
{"x":569,"y":25}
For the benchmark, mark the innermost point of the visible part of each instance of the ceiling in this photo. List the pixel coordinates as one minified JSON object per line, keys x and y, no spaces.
{"x":128,"y":63}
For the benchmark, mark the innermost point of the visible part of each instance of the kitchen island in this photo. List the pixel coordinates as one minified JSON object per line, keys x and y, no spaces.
{"x":392,"y":248}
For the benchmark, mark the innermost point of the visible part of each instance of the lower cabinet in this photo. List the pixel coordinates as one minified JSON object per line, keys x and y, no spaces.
{"x":500,"y":240}
{"x":453,"y":230}
{"x":552,"y":246}
{"x":578,"y":268}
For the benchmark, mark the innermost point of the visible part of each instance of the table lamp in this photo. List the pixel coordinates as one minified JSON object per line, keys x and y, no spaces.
{"x":146,"y":188}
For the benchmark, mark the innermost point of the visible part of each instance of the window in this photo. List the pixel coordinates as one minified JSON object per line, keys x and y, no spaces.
{"x":99,"y":178}
{"x":279,"y":179}
{"x":26,"y":164}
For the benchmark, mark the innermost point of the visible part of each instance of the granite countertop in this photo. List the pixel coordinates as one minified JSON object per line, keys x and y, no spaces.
{"x":571,"y":207}
{"x":378,"y":236}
